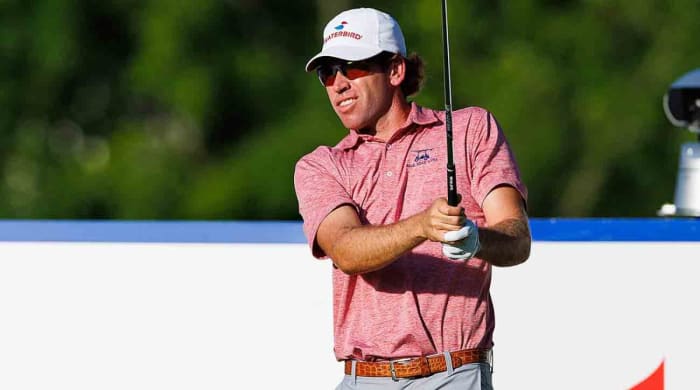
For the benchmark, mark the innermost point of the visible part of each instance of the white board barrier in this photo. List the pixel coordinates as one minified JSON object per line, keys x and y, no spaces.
{"x":123,"y":314}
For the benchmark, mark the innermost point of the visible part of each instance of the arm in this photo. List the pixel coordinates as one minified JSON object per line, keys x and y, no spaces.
{"x":506,"y":241}
{"x":357,"y":248}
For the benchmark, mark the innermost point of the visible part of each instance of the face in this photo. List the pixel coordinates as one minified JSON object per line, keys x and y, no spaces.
{"x":360,"y":93}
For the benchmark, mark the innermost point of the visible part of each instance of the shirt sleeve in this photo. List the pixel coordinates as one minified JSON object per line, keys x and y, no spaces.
{"x":491,"y":159}
{"x":318,"y":183}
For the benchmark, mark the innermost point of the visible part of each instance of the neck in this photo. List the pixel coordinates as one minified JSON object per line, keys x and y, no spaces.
{"x":391,"y":121}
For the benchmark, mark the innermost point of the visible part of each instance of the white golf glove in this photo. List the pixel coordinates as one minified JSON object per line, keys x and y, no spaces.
{"x":466,"y":242}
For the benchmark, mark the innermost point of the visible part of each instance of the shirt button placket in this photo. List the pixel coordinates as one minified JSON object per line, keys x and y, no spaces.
{"x":389,"y":173}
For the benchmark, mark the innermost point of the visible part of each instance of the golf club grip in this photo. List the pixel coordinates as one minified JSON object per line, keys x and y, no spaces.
{"x":452,"y":195}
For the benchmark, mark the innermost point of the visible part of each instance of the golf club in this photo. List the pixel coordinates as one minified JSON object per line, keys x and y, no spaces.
{"x":452,"y":195}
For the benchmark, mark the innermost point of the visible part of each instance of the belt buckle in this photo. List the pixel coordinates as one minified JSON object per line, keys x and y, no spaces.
{"x":392,"y":369}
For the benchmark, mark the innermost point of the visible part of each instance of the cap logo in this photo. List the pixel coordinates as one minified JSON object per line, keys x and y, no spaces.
{"x":341,"y":33}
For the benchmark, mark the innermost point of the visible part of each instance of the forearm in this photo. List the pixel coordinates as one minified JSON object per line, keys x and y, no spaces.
{"x":506,"y":243}
{"x":366,"y":248}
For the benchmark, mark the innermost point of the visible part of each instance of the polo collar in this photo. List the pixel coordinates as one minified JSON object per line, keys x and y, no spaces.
{"x":417,"y":116}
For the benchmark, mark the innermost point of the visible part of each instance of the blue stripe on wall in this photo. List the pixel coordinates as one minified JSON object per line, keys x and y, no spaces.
{"x":543,"y":229}
{"x":615,"y":229}
{"x":153,"y":231}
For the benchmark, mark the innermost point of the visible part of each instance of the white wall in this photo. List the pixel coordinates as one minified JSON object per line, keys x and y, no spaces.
{"x":162,"y":316}
{"x":217,"y":316}
{"x":598,"y":316}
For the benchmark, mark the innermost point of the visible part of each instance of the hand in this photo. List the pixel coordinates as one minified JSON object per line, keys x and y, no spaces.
{"x":440,"y":218}
{"x":462,"y":244}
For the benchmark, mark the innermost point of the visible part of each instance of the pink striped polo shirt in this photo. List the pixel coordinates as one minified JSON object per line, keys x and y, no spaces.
{"x":423,"y":303}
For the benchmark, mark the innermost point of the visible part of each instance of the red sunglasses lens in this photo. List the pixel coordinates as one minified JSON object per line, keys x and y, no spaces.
{"x":328,"y":79}
{"x":326,"y":74}
{"x":353,"y":73}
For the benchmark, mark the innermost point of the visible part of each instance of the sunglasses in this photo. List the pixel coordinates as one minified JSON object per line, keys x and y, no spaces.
{"x":350,"y":69}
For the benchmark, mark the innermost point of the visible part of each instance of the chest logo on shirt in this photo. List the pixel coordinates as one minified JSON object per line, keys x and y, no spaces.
{"x":421,"y":157}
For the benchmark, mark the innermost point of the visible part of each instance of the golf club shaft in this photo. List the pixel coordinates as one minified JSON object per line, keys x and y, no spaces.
{"x":452,"y":196}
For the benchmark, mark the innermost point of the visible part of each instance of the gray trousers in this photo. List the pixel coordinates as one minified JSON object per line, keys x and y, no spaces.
{"x":476,"y":376}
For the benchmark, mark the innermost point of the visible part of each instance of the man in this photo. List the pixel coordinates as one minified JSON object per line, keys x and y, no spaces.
{"x":411,"y":275}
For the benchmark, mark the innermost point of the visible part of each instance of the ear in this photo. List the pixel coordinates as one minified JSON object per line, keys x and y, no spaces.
{"x":397,"y":71}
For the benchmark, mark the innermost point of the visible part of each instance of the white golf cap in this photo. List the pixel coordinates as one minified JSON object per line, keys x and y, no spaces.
{"x":358,"y":34}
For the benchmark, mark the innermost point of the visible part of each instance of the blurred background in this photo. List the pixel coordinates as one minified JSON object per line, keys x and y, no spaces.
{"x":163,"y":109}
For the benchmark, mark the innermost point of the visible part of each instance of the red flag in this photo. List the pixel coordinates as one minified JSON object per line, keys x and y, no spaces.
{"x":655,"y":381}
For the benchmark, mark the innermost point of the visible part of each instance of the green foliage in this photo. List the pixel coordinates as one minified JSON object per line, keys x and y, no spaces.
{"x":199,"y":110}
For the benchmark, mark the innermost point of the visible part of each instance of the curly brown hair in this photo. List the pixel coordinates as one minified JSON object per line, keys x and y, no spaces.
{"x":415,"y":74}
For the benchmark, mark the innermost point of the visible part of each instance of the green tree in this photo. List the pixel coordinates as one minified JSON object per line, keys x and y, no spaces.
{"x":160,"y":109}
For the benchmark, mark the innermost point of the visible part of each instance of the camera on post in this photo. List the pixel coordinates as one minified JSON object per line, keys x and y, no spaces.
{"x":682,"y":107}
{"x":682,"y":102}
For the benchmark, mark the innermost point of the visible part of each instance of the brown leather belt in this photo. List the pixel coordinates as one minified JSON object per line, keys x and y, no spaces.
{"x":416,"y":367}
